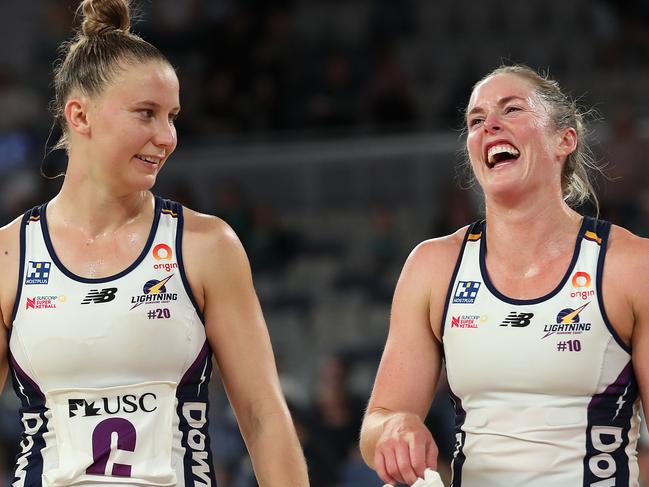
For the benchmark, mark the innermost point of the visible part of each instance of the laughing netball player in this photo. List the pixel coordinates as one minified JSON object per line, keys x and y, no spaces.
{"x":541,"y":315}
{"x":123,"y":297}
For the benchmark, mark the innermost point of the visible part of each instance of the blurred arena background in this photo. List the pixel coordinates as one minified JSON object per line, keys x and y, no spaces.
{"x":328,"y":134}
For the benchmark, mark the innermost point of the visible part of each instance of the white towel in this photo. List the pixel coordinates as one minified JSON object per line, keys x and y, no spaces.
{"x":431,"y":479}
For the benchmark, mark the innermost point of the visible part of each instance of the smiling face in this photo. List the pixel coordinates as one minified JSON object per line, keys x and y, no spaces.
{"x":131,"y":129}
{"x":512,"y":143}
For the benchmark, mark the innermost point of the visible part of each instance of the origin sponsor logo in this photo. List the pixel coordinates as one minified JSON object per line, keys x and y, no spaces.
{"x":154,"y":292}
{"x":468,"y":321}
{"x":568,"y":323}
{"x":106,"y":406}
{"x":43,"y":302}
{"x":581,"y":282}
{"x":162,"y":253}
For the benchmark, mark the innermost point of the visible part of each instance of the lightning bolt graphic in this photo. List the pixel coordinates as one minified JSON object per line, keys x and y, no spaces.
{"x":155,"y":289}
{"x":620,"y":402}
{"x":22,"y":389}
{"x":203,"y":377}
{"x":569,"y":317}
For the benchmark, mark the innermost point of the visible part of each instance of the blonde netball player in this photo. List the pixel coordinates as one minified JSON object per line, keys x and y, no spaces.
{"x":123,"y":297}
{"x":540,"y":314}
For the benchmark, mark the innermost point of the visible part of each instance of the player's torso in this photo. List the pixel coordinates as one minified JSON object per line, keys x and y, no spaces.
{"x":535,"y":379}
{"x":104,"y":367}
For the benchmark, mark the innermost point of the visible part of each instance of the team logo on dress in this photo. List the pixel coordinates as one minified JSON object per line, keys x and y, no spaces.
{"x":581,"y":284}
{"x":38,"y":272}
{"x":568,"y":323}
{"x":164,"y":255}
{"x":517,"y":320}
{"x":154,"y":292}
{"x":468,"y":321}
{"x":466,"y":292}
{"x":44,"y":302}
{"x":99,"y":296}
{"x":129,"y":403}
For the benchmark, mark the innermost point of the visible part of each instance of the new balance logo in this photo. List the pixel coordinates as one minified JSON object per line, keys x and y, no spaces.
{"x":517,"y":320}
{"x":100,"y":296}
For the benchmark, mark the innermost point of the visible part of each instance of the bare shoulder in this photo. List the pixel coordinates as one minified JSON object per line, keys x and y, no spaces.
{"x":438,"y":255}
{"x":440,"y":247}
{"x":427,"y":272}
{"x":627,"y":258}
{"x":627,"y":250}
{"x":210,"y":243}
{"x":9,"y":262}
{"x":10,"y":234}
{"x":208,"y":233}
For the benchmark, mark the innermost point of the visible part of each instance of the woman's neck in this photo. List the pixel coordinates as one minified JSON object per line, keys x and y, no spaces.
{"x":96,"y":211}
{"x":523,"y":238}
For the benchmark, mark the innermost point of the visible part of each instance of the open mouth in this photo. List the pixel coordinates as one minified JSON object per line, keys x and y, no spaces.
{"x":500,"y":153}
{"x":149,"y":159}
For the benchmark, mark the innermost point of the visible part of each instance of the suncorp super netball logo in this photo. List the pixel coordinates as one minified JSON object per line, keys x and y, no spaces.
{"x":164,"y":255}
{"x":581,"y":283}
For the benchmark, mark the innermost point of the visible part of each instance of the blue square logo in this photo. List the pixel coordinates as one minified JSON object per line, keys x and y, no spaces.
{"x":38,"y":272}
{"x":466,"y":292}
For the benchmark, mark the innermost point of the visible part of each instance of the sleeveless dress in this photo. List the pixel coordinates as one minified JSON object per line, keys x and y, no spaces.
{"x":544,"y":389}
{"x":112,"y":373}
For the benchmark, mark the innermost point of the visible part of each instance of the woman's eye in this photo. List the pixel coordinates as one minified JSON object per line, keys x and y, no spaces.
{"x":474,"y":121}
{"x":512,"y":109}
{"x":147,"y":113}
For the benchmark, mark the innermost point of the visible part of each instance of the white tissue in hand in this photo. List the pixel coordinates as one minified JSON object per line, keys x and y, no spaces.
{"x":431,"y":479}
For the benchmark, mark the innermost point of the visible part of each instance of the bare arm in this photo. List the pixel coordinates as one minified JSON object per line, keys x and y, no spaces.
{"x":394,"y":440}
{"x":629,"y":268}
{"x":9,"y":263}
{"x":237,"y":333}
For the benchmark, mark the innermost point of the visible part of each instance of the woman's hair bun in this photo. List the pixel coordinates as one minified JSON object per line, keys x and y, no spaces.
{"x":102,"y":16}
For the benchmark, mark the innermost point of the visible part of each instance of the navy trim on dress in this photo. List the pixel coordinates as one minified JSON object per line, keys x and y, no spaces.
{"x":585,"y":224}
{"x":602,"y":229}
{"x":87,"y":280}
{"x":179,"y":257}
{"x":469,"y":231}
{"x":21,"y":261}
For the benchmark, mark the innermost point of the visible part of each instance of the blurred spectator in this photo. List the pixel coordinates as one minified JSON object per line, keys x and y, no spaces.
{"x":233,"y":207}
{"x":384,"y":243}
{"x":627,"y":172}
{"x":334,"y":103}
{"x":337,"y":413}
{"x":391,"y":98}
{"x":270,"y":246}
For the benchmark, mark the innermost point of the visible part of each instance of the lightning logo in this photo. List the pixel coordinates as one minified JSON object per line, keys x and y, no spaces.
{"x":155,"y":292}
{"x":568,"y":321}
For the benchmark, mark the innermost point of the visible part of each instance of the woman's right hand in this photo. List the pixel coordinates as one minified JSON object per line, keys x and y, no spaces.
{"x":404,"y":450}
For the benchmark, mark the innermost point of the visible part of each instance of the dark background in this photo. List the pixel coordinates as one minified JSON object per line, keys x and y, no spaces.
{"x":328,"y":134}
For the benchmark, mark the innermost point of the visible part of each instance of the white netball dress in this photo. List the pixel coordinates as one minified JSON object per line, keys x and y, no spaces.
{"x":112,"y":372}
{"x":544,"y":389}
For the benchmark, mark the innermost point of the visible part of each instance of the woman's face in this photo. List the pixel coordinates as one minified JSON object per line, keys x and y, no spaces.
{"x":131,"y":122}
{"x":512,"y":143}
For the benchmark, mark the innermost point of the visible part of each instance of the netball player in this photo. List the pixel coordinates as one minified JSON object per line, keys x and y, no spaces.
{"x":540,"y":314}
{"x":123,"y":297}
